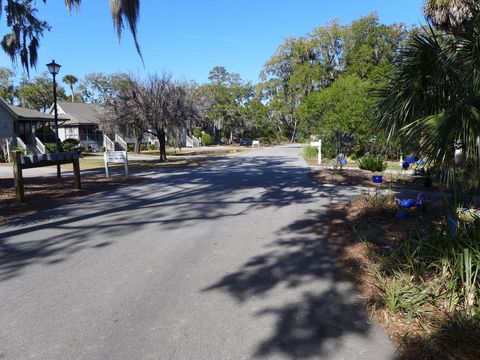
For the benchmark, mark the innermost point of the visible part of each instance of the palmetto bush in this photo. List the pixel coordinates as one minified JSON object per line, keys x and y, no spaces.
{"x":440,"y":268}
{"x":432,"y":98}
{"x":372,"y":163}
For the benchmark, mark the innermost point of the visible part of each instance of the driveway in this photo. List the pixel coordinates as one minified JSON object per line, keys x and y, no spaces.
{"x":218,"y":262}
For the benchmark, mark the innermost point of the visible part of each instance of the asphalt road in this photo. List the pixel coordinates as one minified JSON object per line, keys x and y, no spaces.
{"x":216,"y":262}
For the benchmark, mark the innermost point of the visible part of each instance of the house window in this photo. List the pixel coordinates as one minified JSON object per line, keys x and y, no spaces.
{"x":71,"y":133}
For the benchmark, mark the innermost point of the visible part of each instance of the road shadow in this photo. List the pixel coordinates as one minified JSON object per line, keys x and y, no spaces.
{"x":314,"y":323}
{"x":200,"y":194}
{"x":327,"y":311}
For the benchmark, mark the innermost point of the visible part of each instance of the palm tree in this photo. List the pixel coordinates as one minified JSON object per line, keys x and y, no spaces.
{"x":433,"y":97}
{"x":452,"y":15}
{"x":70,"y":80}
{"x":26,"y":28}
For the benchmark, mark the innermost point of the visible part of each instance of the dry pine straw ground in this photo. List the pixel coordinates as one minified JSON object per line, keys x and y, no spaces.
{"x":346,"y":224}
{"x":46,"y":192}
{"x":355,"y":177}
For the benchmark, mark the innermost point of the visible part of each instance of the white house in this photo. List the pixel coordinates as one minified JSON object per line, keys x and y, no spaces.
{"x":25,"y":128}
{"x":83,"y":123}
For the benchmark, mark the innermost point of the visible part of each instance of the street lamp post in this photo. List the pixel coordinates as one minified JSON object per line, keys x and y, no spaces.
{"x":54,"y":69}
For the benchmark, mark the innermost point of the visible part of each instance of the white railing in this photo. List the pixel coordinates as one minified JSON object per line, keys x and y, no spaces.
{"x":188,"y":141}
{"x":108,"y":144}
{"x":22,"y":145}
{"x":122,"y":142}
{"x":196,"y":142}
{"x":192,"y":141}
{"x":40,"y":146}
{"x":7,"y":149}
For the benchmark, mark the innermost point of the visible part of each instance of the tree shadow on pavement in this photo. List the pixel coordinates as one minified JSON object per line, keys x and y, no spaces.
{"x":172,"y":199}
{"x":328,"y":320}
{"x":310,"y":322}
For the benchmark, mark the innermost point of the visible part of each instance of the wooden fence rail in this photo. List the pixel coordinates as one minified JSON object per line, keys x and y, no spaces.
{"x":21,"y":162}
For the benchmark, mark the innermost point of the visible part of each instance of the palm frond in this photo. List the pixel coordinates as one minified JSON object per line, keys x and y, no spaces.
{"x":432,"y":99}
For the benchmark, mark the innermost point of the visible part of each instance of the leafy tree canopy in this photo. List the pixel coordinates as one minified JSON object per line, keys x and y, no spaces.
{"x":308,"y":64}
{"x":7,"y":88}
{"x":346,"y":106}
{"x":37,"y":94}
{"x":99,"y":87}
{"x":225,"y":99}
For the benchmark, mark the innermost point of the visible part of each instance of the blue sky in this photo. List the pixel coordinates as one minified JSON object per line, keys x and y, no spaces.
{"x":189,"y":38}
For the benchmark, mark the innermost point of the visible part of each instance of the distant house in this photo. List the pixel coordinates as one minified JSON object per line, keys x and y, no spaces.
{"x":25,"y":128}
{"x":83,"y":124}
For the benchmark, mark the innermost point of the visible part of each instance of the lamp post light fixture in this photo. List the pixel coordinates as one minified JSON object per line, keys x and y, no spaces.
{"x":54,"y":69}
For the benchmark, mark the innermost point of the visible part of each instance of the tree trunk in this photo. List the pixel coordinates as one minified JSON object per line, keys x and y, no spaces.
{"x":294,"y":132}
{"x":162,"y":143}
{"x":138,"y":143}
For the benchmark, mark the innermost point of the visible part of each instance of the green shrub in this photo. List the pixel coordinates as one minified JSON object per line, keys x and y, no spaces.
{"x":69,"y":144}
{"x":207,"y":139}
{"x":51,"y":148}
{"x":197,"y":133}
{"x":151,"y":147}
{"x":310,"y":152}
{"x":372,"y":163}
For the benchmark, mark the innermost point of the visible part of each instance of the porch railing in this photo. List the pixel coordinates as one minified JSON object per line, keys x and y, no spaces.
{"x":196,"y":142}
{"x":40,"y":146}
{"x":22,"y":145}
{"x":108,"y":144}
{"x":122,"y":142}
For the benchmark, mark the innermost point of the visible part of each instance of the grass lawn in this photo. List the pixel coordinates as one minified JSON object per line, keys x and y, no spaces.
{"x":185,"y":157}
{"x":203,"y":151}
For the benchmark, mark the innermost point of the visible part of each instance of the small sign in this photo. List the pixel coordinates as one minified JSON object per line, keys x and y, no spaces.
{"x":116,"y":157}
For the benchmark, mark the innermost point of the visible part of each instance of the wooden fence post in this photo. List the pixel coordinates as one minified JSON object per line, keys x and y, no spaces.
{"x":18,"y":177}
{"x":76,"y":173}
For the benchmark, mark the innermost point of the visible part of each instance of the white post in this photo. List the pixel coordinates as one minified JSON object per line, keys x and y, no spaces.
{"x":106,"y":163}
{"x":126,"y":165}
{"x":320,"y":152}
{"x":8,"y":150}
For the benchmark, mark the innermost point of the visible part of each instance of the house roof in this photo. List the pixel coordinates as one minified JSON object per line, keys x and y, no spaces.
{"x":79,"y":113}
{"x":20,"y":113}
{"x":23,"y":113}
